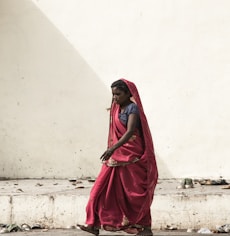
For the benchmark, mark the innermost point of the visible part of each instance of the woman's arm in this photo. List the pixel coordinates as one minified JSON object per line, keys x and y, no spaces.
{"x":131,"y":126}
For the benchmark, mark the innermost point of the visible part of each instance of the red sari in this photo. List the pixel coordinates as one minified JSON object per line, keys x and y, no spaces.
{"x":122,"y":194}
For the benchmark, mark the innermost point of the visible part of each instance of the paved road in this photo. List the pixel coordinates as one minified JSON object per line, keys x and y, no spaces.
{"x":76,"y":232}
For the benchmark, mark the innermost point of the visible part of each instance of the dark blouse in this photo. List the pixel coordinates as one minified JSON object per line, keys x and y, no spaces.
{"x":132,"y":108}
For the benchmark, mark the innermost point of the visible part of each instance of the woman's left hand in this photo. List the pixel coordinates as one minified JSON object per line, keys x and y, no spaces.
{"x":107,"y":154}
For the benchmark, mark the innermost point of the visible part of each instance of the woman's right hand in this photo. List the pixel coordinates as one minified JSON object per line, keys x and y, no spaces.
{"x":107,"y":154}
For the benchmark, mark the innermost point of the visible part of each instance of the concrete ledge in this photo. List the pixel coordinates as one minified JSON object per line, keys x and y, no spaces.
{"x":60,"y":204}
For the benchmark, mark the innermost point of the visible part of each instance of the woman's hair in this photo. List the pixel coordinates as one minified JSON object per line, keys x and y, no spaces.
{"x":120,"y":84}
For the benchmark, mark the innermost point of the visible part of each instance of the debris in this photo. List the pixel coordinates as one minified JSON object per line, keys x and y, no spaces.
{"x":38,"y":184}
{"x":186,"y":183}
{"x":25,"y":227}
{"x":85,"y":177}
{"x":212,"y":182}
{"x":9,"y":228}
{"x":226,"y":187}
{"x":13,"y":228}
{"x":170,"y":227}
{"x":71,"y":227}
{"x":80,"y":187}
{"x":77,"y":182}
{"x":91,"y":180}
{"x":4,"y":231}
{"x":204,"y":231}
{"x":19,"y":190}
{"x":36,"y":226}
{"x":72,"y":180}
{"x":223,"y":229}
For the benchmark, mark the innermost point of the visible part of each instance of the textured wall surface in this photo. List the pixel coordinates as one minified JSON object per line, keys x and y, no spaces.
{"x":58,"y":59}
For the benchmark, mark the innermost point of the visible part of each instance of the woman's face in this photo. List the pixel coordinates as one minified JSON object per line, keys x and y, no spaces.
{"x":119,"y":96}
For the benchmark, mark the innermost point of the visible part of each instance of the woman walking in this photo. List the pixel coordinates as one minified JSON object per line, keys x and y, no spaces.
{"x":123,"y":191}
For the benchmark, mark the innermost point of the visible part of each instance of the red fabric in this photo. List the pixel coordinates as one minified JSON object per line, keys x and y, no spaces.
{"x":122,"y":195}
{"x":134,"y":148}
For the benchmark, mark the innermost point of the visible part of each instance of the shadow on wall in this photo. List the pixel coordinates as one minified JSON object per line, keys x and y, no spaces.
{"x":54,"y":120}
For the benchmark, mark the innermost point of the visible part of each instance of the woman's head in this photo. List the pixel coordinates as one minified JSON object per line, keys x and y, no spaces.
{"x":121,"y":92}
{"x":121,"y":85}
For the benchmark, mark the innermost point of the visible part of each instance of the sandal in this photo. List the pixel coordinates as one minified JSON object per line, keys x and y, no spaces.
{"x":131,"y":231}
{"x":89,"y":229}
{"x":145,"y":232}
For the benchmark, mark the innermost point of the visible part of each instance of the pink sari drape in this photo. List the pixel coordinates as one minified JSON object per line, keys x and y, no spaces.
{"x":131,"y":150}
{"x":122,"y":195}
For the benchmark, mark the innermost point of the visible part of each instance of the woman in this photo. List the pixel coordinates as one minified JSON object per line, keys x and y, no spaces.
{"x":122,"y":194}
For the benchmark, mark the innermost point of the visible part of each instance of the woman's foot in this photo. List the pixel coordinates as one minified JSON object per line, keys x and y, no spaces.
{"x":89,"y":229}
{"x":131,"y":230}
{"x":145,"y":232}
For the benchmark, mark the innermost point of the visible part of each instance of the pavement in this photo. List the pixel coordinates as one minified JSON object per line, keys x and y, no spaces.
{"x":57,"y":205}
{"x":76,"y":232}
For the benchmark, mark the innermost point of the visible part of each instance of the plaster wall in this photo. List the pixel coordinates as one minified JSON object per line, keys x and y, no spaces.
{"x":59,"y":58}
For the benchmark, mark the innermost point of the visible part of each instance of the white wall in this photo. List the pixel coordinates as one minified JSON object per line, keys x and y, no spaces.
{"x":53,"y":105}
{"x":60,"y":58}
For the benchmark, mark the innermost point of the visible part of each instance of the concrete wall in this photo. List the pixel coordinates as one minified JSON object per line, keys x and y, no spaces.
{"x":53,"y":105}
{"x":58,"y":59}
